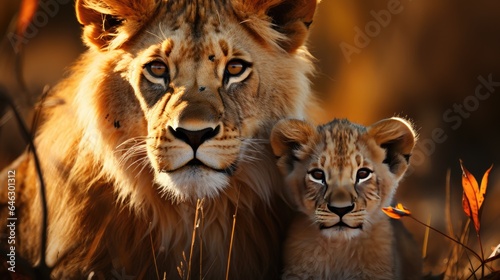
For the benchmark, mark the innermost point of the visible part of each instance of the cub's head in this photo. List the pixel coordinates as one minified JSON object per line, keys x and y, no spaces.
{"x":179,"y":87}
{"x":341,"y":174}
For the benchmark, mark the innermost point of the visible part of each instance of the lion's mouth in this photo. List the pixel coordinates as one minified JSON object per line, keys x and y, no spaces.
{"x":195,"y":164}
{"x":340,"y":225}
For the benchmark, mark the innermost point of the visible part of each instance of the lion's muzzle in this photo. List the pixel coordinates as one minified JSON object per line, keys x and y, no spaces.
{"x":194,"y":138}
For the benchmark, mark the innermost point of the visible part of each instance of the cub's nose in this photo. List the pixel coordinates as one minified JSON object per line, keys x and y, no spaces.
{"x":340,"y":211}
{"x":194,"y":138}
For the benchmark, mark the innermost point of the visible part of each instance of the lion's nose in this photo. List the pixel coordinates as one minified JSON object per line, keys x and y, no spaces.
{"x":340,"y":211}
{"x":194,"y":138}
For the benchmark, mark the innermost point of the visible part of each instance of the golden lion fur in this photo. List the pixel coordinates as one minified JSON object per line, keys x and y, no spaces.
{"x":107,"y":152}
{"x":341,"y":175}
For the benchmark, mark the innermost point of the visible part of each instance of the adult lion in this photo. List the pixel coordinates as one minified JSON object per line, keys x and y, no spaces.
{"x":165,"y":109}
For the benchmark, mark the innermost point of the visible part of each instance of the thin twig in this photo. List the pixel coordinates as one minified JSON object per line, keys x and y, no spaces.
{"x":448,"y":205}
{"x":201,"y":238}
{"x":492,"y":258}
{"x":153,"y":249}
{"x":482,"y":253}
{"x":193,"y":237}
{"x":449,"y":237}
{"x":473,"y":272}
{"x":232,"y":235}
{"x":471,"y":266}
{"x":485,"y":263}
{"x":38,"y":110}
{"x":42,"y":270}
{"x":452,"y":257}
{"x":464,"y":238}
{"x":426,"y":238}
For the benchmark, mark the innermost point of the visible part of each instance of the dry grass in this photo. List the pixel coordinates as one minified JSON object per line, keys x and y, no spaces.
{"x":463,"y":262}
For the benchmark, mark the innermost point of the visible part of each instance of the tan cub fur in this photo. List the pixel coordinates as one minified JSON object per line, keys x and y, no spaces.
{"x":162,"y":110}
{"x":341,"y":175}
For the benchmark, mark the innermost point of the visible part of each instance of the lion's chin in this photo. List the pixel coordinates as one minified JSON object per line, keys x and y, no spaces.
{"x":191,"y":183}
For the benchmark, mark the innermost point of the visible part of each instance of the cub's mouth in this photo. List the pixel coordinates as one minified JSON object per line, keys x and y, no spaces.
{"x":339,"y":226}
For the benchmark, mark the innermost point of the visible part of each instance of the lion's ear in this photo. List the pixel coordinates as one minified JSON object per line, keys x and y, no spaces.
{"x":291,"y":18}
{"x":398,"y":138}
{"x":290,"y":140}
{"x":109,"y":23}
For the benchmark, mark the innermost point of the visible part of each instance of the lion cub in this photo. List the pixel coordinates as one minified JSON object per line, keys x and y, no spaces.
{"x":340,"y":175}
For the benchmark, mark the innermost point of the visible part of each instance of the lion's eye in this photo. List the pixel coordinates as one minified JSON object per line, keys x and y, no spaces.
{"x":235,"y":67}
{"x":363,"y":175}
{"x":317,"y":175}
{"x":236,"y":71}
{"x":157,"y":69}
{"x":156,"y":72}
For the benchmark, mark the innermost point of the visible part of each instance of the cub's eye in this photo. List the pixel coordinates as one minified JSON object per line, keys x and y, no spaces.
{"x":317,"y":175}
{"x":363,"y":174}
{"x":236,"y":67}
{"x":156,"y":72}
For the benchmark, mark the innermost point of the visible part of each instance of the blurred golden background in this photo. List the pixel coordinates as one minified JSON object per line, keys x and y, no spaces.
{"x":435,"y":62}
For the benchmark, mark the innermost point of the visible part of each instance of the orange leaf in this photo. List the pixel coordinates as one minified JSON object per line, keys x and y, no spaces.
{"x":484,"y":183}
{"x":391,"y":214}
{"x":396,"y":212}
{"x":473,"y":196}
{"x":471,"y":190}
{"x":465,"y":205}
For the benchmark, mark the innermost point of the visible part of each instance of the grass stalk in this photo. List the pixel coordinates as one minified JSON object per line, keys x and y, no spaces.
{"x":478,"y":235}
{"x":153,"y":250}
{"x":448,"y":204}
{"x":193,"y":237}
{"x":426,"y":239}
{"x":201,"y":239}
{"x":232,"y":236}
{"x":449,"y":237}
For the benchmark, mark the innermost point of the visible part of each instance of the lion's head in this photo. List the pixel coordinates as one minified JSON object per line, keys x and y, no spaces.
{"x":184,"y":85}
{"x":341,"y":173}
{"x":173,"y":102}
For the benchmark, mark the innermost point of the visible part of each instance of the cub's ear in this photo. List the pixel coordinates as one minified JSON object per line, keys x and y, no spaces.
{"x":110,"y":23}
{"x":398,"y":138}
{"x":291,"y":18}
{"x":290,"y":141}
